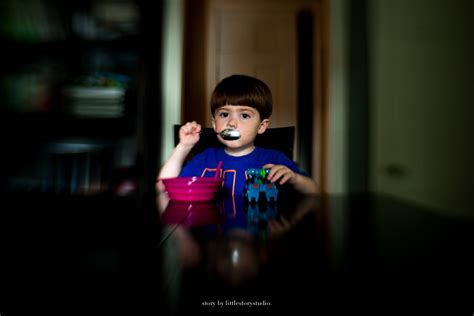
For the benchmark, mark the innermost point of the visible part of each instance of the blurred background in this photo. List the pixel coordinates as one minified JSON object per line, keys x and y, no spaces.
{"x":379,"y":91}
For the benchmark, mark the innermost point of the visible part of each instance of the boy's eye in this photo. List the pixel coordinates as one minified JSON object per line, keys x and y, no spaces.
{"x":245,"y":116}
{"x":223,"y":114}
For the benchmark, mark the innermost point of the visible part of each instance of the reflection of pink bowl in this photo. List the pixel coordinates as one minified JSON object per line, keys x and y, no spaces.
{"x":192,"y":188}
{"x":191,"y":214}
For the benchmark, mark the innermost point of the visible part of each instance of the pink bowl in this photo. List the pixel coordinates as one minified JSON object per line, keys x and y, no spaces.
{"x":194,"y":185}
{"x":191,"y":195}
{"x":192,"y":188}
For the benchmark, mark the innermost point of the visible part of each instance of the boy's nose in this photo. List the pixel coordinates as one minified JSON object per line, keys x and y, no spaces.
{"x":232,"y":123}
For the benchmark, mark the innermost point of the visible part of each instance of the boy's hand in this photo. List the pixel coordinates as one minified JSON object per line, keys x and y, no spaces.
{"x":280,"y":173}
{"x":189,"y":133}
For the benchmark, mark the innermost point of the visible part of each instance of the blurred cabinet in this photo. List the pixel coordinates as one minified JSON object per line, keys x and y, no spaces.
{"x":70,"y":98}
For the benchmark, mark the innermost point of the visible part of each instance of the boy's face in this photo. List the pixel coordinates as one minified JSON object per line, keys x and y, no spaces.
{"x":243,"y":118}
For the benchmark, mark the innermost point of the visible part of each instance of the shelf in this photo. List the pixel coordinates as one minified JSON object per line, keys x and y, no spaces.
{"x":45,"y":126}
{"x":55,"y":134}
{"x":127,"y":43}
{"x":73,"y":55}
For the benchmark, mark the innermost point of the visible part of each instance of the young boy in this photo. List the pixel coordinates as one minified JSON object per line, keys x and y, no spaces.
{"x":242,"y":103}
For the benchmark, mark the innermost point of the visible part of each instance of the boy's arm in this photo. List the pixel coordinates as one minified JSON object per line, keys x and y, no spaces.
{"x":188,"y":137}
{"x":305,"y":185}
{"x":171,"y":169}
{"x":282,"y":174}
{"x":173,"y":165}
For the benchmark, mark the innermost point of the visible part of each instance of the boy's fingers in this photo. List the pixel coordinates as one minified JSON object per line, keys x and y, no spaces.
{"x":275,"y":172}
{"x":191,"y":128}
{"x":282,"y":175}
{"x":285,"y":178}
{"x":196,"y":126}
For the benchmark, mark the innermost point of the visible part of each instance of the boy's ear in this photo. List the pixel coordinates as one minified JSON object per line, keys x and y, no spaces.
{"x":263,"y":126}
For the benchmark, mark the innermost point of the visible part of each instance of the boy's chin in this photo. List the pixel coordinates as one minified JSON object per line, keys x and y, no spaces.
{"x":232,"y":143}
{"x":239,"y":148}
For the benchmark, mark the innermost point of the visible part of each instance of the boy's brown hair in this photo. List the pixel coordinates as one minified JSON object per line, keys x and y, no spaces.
{"x":243,"y":90}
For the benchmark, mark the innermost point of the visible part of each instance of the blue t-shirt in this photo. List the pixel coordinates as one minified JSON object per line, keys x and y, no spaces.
{"x":233,"y":169}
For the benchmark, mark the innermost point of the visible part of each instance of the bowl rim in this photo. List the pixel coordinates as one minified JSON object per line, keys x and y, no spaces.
{"x":193,"y":178}
{"x":193,"y":186}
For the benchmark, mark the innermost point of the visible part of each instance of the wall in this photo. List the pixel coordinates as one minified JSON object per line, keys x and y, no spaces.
{"x":421,"y":103}
{"x":172,"y":65}
{"x":337,"y":99}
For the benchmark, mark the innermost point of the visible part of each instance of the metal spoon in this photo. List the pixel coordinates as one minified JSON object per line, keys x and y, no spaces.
{"x":229,"y":134}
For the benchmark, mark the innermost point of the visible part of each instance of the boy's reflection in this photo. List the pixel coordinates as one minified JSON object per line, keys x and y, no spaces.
{"x":226,"y":215}
{"x":232,"y":235}
{"x":252,"y":250}
{"x":224,"y":248}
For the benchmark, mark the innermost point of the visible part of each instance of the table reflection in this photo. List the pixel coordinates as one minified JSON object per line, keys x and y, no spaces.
{"x":309,"y":252}
{"x":232,"y":248}
{"x":259,"y":219}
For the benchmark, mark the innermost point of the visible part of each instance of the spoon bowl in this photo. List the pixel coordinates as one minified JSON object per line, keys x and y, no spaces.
{"x":229,"y":134}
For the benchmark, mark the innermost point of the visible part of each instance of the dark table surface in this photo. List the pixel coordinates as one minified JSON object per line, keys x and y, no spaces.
{"x":337,"y":253}
{"x":109,"y":255}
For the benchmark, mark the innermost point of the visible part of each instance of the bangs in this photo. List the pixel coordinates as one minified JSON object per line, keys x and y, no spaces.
{"x":236,"y":99}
